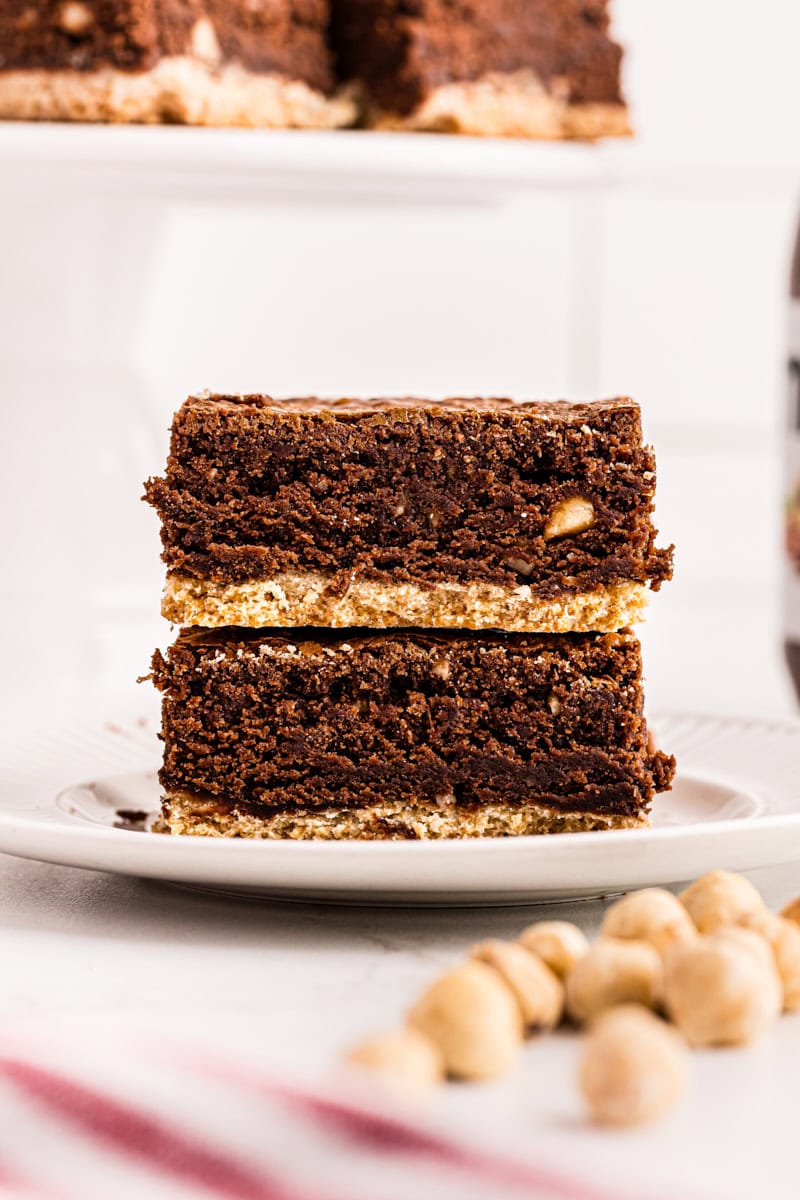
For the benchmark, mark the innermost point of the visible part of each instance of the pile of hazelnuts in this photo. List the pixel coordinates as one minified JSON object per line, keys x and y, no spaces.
{"x":710,"y":967}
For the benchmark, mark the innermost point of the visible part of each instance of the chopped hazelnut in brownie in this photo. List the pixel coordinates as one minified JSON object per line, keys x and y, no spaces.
{"x":460,"y":513}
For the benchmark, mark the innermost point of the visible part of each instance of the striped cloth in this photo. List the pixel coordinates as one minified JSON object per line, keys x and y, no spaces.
{"x":137,"y":1118}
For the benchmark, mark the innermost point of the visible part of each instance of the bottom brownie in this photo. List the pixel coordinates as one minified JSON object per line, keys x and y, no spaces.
{"x":403,"y":734}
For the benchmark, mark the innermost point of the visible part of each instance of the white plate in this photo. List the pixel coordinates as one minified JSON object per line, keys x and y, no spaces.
{"x":735,"y":804}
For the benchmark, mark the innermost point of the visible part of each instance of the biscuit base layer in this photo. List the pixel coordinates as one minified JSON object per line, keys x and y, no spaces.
{"x":308,"y":598}
{"x":515,"y":104}
{"x":178,"y":90}
{"x":187,"y":814}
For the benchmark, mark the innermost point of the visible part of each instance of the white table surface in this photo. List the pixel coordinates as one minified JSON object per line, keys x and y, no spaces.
{"x":304,"y":981}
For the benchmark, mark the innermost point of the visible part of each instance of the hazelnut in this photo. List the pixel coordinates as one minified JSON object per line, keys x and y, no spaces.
{"x":722,"y":990}
{"x":783,"y":937}
{"x":573,"y":515}
{"x":539,"y":993}
{"x":791,"y":911}
{"x":614,"y":971}
{"x":747,"y":939}
{"x":652,"y":915}
{"x":406,"y":1056}
{"x":634,"y":1067}
{"x":441,"y":668}
{"x":474,"y":1020}
{"x":521,"y":565}
{"x":559,"y":944}
{"x":75,"y":17}
{"x":720,"y":898}
{"x":204,"y":43}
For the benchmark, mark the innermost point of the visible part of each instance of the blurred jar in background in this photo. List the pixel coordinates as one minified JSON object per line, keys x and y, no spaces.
{"x":792,"y":488}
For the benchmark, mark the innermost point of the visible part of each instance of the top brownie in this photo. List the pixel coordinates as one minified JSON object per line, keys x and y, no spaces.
{"x":476,"y":513}
{"x":284,"y":37}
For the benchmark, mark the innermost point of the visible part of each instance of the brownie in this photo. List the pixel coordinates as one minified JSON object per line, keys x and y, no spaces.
{"x":460,"y":513}
{"x":287,"y":37}
{"x":403,"y":51}
{"x":403,"y":734}
{"x":264,"y":63}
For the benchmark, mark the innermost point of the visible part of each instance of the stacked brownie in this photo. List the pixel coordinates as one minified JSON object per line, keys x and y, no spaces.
{"x":406,"y":618}
{"x":521,"y":68}
{"x":525,"y":68}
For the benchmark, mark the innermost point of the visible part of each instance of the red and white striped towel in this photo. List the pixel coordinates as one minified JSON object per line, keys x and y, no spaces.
{"x":135,"y":1117}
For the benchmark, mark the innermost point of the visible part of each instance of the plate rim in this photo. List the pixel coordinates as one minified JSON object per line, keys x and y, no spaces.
{"x":76,"y":832}
{"x":96,"y":832}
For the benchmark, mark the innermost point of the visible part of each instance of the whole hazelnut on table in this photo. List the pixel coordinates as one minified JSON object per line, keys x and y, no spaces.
{"x":405,"y":1056}
{"x":473,"y":1019}
{"x":539,"y":993}
{"x":559,"y":944}
{"x":783,"y":937}
{"x":634,"y":1067}
{"x":791,"y":911}
{"x":653,"y":915}
{"x":720,"y":898}
{"x":614,"y":971}
{"x":723,"y":989}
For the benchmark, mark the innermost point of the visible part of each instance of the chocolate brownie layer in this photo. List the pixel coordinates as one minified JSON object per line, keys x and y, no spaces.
{"x":403,"y":734}
{"x":464,"y":513}
{"x":540,"y":68}
{"x":213,"y":61}
{"x":284,"y":37}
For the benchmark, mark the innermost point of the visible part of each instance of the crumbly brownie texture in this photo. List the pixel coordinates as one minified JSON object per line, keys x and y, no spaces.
{"x":184,"y":812}
{"x":464,"y":513}
{"x":214,"y":62}
{"x":519,"y":68}
{"x":403,"y":735}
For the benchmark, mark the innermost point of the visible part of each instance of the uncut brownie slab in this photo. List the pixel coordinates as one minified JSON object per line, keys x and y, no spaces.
{"x":524,"y":68}
{"x":461,"y":514}
{"x":403,"y":734}
{"x":207,"y":62}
